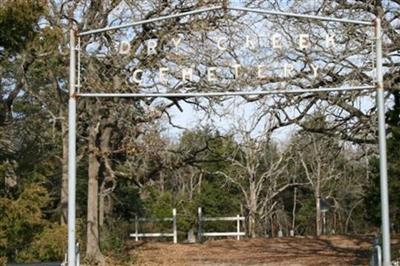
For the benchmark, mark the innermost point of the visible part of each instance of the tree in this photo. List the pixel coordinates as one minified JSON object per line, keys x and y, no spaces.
{"x":258,"y":170}
{"x":319,"y":168}
{"x":351,"y":120}
{"x":28,"y":150}
{"x":372,"y":197}
{"x":331,"y":172}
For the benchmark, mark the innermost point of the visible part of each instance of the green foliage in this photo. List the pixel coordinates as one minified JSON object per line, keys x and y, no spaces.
{"x":18,"y":22}
{"x":25,"y":234}
{"x":48,"y":245}
{"x":21,"y":219}
{"x":129,"y":202}
{"x":209,"y":147}
{"x":372,"y":198}
{"x":114,"y":236}
{"x":158,"y":204}
{"x":305,"y":216}
{"x":217,"y":199}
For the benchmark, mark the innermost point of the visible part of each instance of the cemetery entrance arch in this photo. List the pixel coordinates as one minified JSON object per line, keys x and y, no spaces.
{"x":75,"y":93}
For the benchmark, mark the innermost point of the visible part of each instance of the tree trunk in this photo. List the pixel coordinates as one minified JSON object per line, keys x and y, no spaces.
{"x":64,"y":178}
{"x":162,"y":185}
{"x":105,"y":189}
{"x":294,"y":209}
{"x":93,"y":252}
{"x":101,"y":208}
{"x":252,"y":210}
{"x":318,"y":226}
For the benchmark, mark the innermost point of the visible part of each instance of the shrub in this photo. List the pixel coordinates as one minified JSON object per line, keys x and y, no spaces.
{"x":48,"y":245}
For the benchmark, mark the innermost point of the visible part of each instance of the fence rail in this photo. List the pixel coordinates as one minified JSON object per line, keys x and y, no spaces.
{"x":152,"y":235}
{"x":172,"y":219}
{"x":202,"y":219}
{"x":235,"y":218}
{"x":150,"y":220}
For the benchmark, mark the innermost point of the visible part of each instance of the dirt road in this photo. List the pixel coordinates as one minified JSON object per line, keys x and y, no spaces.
{"x":336,"y":250}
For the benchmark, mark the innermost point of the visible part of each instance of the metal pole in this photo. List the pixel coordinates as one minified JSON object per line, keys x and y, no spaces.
{"x":141,"y":22}
{"x":286,"y":14}
{"x":222,"y":93}
{"x":245,"y":9}
{"x":380,"y":101}
{"x":71,"y":153}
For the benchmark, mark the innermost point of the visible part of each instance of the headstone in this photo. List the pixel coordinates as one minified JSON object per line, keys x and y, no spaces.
{"x":291,"y":233}
{"x":191,"y":236}
{"x":280,"y":233}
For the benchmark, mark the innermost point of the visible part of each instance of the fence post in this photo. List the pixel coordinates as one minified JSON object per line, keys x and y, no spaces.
{"x":78,"y":255}
{"x":136,"y":229}
{"x":199,"y":221}
{"x":238,"y":227}
{"x":174,"y":226}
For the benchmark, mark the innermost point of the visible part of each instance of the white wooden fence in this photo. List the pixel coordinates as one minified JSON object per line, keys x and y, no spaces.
{"x":202,"y":219}
{"x":174,"y":233}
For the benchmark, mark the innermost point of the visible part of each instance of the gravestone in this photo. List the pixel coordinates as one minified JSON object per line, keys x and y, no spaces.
{"x":191,"y":236}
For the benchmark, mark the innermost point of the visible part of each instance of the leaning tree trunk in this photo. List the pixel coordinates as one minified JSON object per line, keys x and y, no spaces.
{"x":93,"y":252}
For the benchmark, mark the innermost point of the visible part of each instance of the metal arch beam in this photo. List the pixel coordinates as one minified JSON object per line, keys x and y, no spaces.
{"x":244,"y":9}
{"x":305,"y":16}
{"x":220,"y":94}
{"x":141,"y":22}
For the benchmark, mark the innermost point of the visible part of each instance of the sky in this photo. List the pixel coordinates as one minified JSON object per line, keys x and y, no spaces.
{"x":234,"y":112}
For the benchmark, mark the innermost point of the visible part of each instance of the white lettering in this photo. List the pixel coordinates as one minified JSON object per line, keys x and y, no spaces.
{"x":277,"y":41}
{"x":260,"y":71}
{"x":304,"y":41}
{"x":219,"y":43}
{"x":249,"y":43}
{"x":236,"y":67}
{"x":151,"y":47}
{"x":287,"y":69}
{"x":177,"y":42}
{"x":330,"y":41}
{"x":124,"y":48}
{"x":315,"y":70}
{"x":162,"y":72}
{"x":211,"y":74}
{"x":187,"y":73}
{"x":137,"y":76}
